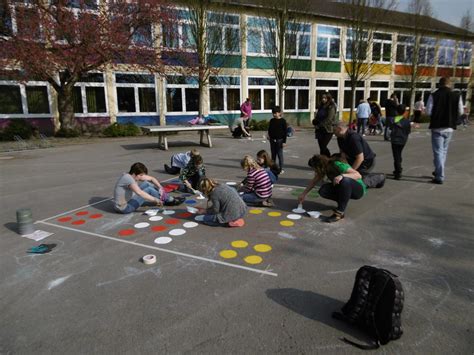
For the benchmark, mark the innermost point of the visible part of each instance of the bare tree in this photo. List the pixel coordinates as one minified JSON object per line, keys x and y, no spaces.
{"x":206,"y":42}
{"x":422,"y":49}
{"x":283,"y":29}
{"x":464,"y":55}
{"x":365,"y":18}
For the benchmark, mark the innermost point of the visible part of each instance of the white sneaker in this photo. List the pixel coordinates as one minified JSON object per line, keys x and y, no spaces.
{"x":282,"y":171}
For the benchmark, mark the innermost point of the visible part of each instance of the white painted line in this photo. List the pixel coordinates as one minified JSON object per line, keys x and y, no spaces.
{"x":74,"y":210}
{"x":163,"y":250}
{"x":89,"y":205}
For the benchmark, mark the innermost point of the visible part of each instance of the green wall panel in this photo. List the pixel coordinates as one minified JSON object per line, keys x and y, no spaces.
{"x":259,"y":63}
{"x":226,"y":61}
{"x":328,"y":66}
{"x":300,"y":65}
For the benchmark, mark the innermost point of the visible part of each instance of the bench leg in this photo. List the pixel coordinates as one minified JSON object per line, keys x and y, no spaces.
{"x":201,"y":140}
{"x":165,"y":138}
{"x":209,"y":141}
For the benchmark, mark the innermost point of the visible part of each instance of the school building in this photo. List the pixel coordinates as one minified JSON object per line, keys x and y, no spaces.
{"x":119,"y":95}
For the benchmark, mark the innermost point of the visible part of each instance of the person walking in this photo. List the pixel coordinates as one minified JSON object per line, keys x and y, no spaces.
{"x":362,"y":113}
{"x":323,"y":122}
{"x":444,"y":106}
{"x":418,"y":108}
{"x":390,"y":113}
{"x":401,"y":128}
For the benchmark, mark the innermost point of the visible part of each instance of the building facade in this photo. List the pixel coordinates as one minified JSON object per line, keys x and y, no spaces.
{"x":319,"y":51}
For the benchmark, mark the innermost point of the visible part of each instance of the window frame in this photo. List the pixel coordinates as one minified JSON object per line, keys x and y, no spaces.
{"x":224,"y":27}
{"x":382,"y":42}
{"x":445,"y":48}
{"x":135,"y":87}
{"x":182,"y":88}
{"x":326,"y":88}
{"x":225,"y":87}
{"x":297,"y":90}
{"x":328,"y":38}
{"x":24,"y":100}
{"x":359,"y":88}
{"x":379,"y":90}
{"x":262,"y":89}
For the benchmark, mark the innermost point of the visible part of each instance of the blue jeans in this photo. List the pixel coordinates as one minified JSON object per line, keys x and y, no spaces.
{"x":440,"y":143}
{"x":361,"y":123}
{"x":136,"y":201}
{"x":211,"y":220}
{"x":251,"y":198}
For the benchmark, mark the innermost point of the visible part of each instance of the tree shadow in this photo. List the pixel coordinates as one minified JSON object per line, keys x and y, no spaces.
{"x":315,"y":306}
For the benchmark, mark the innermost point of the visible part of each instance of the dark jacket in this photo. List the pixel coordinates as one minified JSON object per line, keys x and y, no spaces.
{"x":390,"y":108}
{"x":325,"y":118}
{"x":400,"y":131}
{"x":444,"y":113}
{"x":277,"y":129}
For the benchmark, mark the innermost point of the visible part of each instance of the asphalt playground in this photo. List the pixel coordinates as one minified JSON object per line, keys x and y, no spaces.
{"x":268,"y":287}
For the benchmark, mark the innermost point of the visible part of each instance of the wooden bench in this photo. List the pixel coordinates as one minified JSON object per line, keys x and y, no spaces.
{"x":163,"y":132}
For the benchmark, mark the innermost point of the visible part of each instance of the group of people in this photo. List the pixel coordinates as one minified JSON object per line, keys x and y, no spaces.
{"x":344,"y":170}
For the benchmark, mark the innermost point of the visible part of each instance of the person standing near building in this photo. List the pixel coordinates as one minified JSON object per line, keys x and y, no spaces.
{"x":323,"y":123}
{"x":401,"y":128}
{"x":246,"y":111}
{"x":363,"y":113}
{"x":277,"y":129}
{"x":444,"y":106}
{"x":390,"y":113}
{"x":418,"y":108}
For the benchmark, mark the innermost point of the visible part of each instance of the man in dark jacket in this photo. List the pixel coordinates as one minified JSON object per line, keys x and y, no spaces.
{"x":390,"y":113}
{"x":444,"y":106}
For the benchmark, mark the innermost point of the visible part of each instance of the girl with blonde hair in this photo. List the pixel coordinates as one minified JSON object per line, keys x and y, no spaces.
{"x":226,"y":207}
{"x":257,"y":187}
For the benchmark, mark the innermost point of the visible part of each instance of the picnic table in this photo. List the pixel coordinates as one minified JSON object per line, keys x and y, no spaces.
{"x":164,"y":131}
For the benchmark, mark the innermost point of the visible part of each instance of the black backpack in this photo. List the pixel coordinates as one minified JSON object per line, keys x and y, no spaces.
{"x":375,"y":305}
{"x":374,"y":180}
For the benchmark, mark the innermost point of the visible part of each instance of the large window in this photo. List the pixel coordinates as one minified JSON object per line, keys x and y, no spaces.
{"x":135,"y":93}
{"x":405,"y":47}
{"x":446,"y":52}
{"x":298,"y":39}
{"x":182,"y":94}
{"x":89,"y":94}
{"x":262,"y":93}
{"x":179,"y":34}
{"x":259,"y":39}
{"x":23,"y":99}
{"x":224,"y":31}
{"x":382,"y":47}
{"x":359,"y":94}
{"x":379,"y":91}
{"x":5,"y":19}
{"x":324,"y":86}
{"x":297,"y":94}
{"x":328,"y":42}
{"x":402,"y":90}
{"x":224,"y":93}
{"x":356,"y":44}
{"x":464,"y":54}
{"x":426,"y":51}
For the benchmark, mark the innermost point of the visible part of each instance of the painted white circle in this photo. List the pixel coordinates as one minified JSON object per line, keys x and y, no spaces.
{"x":298,"y":210}
{"x":155,"y":218}
{"x":163,"y":240}
{"x":168,"y":212}
{"x":142,"y":225}
{"x":152,"y":212}
{"x":231,"y":183}
{"x":199,"y":218}
{"x":293,"y":216}
{"x":176,"y":232}
{"x":192,"y":209}
{"x":190,"y":225}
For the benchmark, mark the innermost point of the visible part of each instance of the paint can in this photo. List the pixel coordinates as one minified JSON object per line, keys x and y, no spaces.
{"x":149,"y":259}
{"x":24,"y":219}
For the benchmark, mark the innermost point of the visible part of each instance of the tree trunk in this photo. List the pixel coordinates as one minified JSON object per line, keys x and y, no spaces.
{"x":281,"y":93}
{"x":352,"y":100}
{"x":202,"y":102}
{"x":66,"y":107}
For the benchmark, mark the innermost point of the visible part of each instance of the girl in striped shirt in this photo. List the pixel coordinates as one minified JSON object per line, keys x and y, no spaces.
{"x":257,"y":187}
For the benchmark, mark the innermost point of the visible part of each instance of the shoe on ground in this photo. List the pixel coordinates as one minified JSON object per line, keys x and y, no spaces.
{"x":335,"y":217}
{"x":437,"y":181}
{"x":282,"y":171}
{"x":175,"y":202}
{"x":267,"y":203}
{"x":397,"y":177}
{"x":237,"y":223}
{"x":167,"y":169}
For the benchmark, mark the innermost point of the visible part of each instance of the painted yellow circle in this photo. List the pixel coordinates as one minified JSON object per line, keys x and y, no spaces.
{"x":239,"y":244}
{"x":253,"y":259}
{"x":228,"y":254}
{"x":262,"y":248}
{"x":274,"y":214}
{"x":287,"y":223}
{"x":255,"y":211}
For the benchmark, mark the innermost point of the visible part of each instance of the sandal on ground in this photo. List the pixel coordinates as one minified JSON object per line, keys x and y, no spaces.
{"x":335,"y":217}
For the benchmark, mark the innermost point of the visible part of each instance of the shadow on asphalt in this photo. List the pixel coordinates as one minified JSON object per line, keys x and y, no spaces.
{"x":171,"y":144}
{"x":11,"y":226}
{"x":106,"y":206}
{"x":316,"y":307}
